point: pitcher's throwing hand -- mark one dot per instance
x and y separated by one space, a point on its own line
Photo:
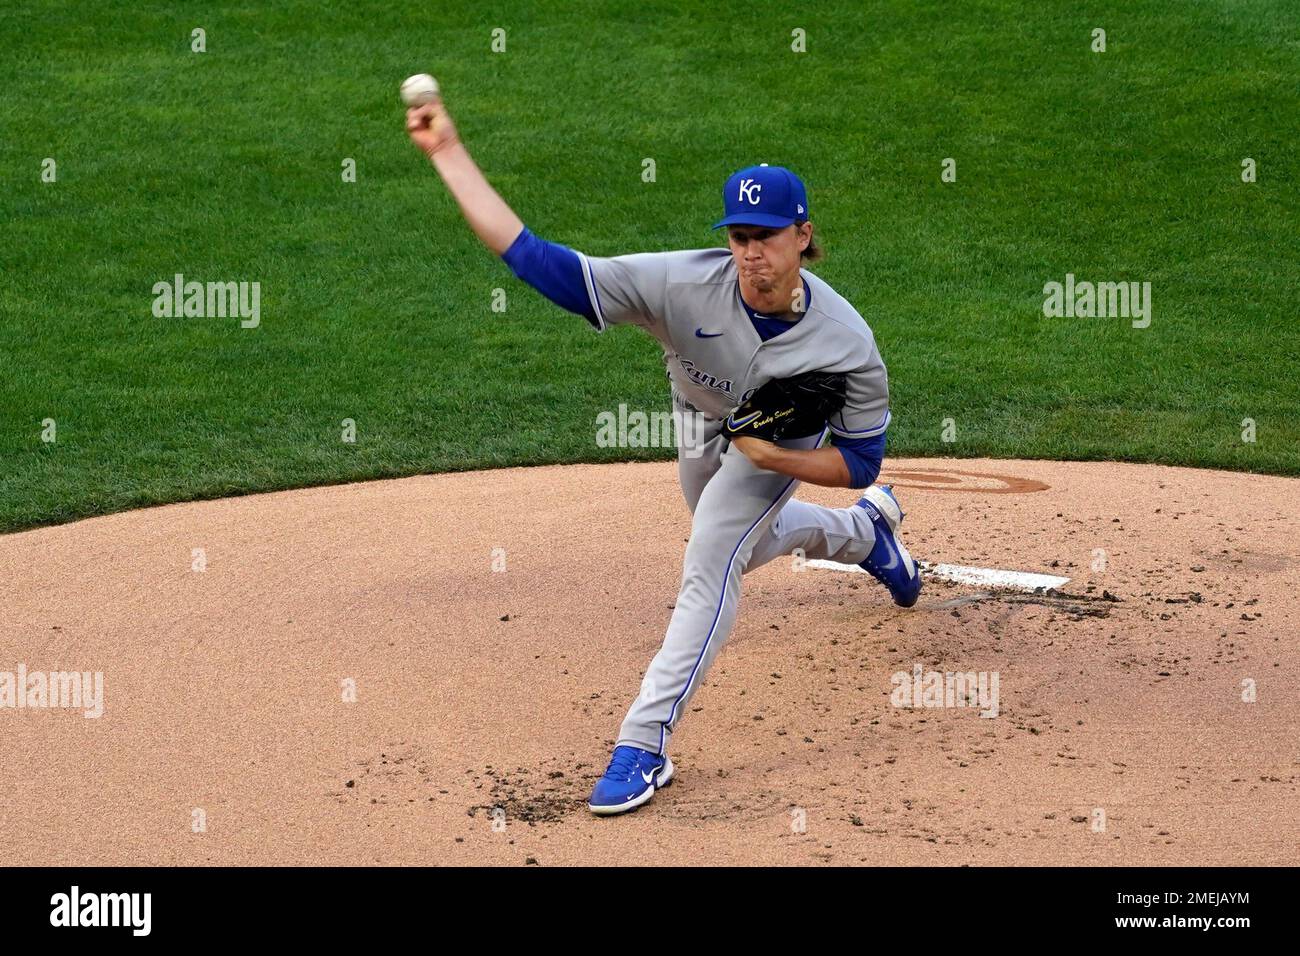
430 127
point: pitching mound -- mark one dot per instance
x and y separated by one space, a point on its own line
431 671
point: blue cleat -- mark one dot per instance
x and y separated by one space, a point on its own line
632 778
889 563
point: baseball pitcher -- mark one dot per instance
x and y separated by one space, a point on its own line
767 360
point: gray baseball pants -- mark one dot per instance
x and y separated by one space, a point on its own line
742 517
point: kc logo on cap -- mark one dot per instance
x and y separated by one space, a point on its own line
763 195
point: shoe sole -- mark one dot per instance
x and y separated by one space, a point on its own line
664 778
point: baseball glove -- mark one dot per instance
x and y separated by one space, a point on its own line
788 407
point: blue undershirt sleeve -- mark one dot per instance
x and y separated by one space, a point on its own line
553 270
863 456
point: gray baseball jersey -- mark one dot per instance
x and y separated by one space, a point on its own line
690 301
742 516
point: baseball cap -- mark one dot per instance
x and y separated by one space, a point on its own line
763 195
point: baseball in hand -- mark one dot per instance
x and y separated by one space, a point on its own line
419 89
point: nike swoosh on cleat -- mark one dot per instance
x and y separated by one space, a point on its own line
893 555
647 777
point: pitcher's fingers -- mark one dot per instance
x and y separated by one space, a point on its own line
415 120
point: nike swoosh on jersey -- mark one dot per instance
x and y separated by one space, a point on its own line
701 334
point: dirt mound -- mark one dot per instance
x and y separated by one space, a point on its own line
431 670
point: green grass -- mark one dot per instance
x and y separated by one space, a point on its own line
376 297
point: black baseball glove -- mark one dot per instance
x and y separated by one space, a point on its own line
788 407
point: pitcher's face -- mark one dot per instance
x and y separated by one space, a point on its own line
767 258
